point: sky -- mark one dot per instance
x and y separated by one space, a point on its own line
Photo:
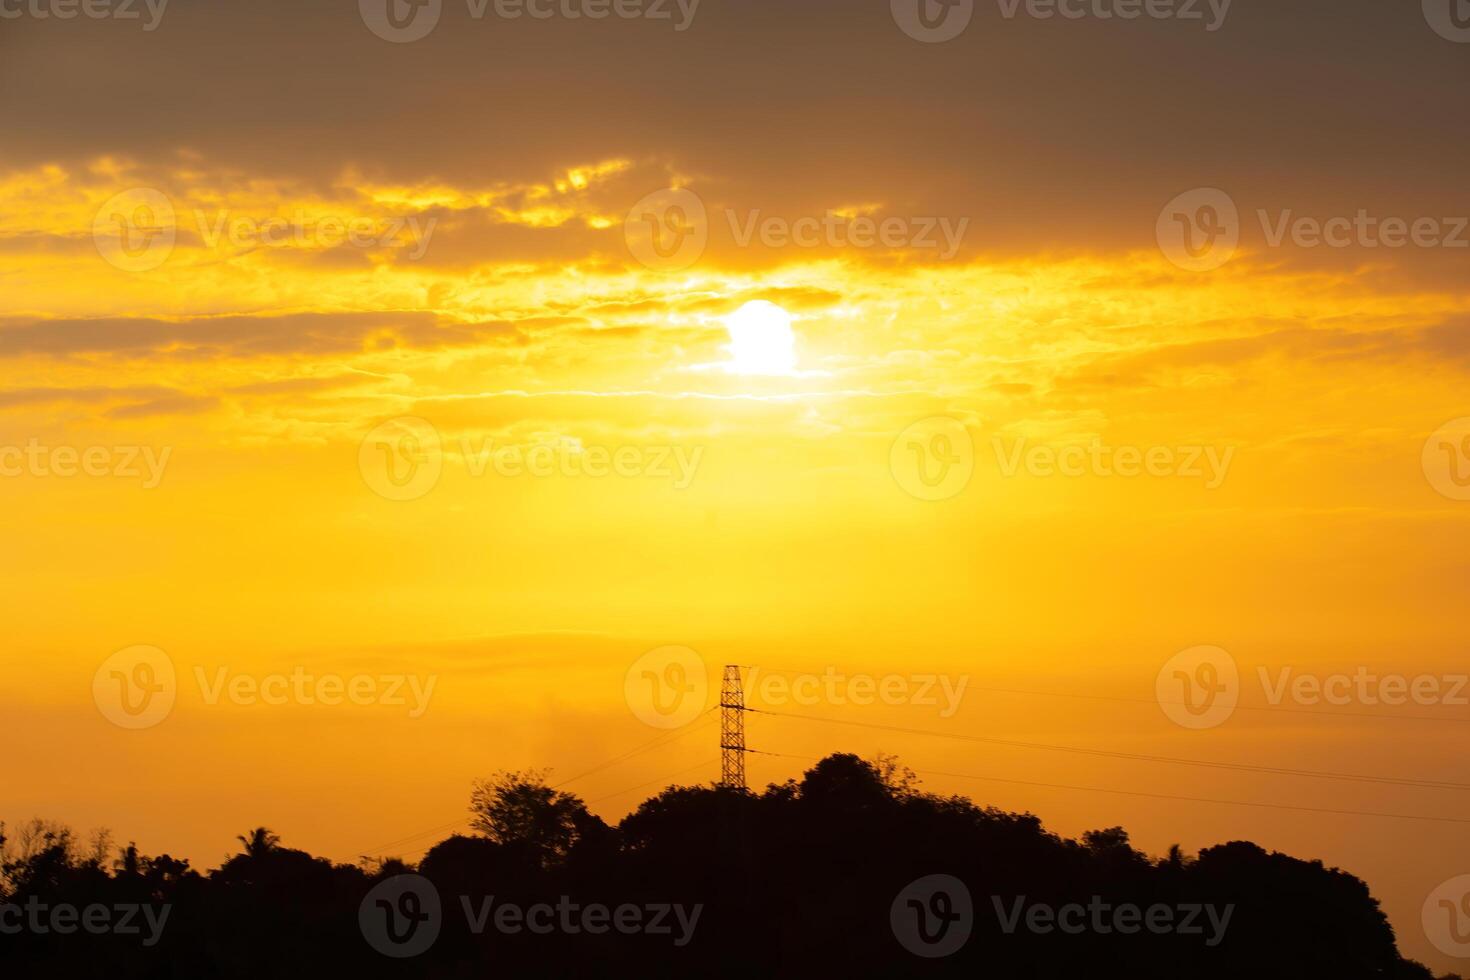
528 365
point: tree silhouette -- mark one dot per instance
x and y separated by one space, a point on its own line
800 880
259 842
518 809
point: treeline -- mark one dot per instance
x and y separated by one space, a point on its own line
850 871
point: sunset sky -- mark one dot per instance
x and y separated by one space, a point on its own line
498 173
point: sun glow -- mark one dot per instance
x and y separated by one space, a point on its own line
761 339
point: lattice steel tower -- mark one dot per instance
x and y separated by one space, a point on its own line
732 729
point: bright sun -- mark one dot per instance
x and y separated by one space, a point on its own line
761 339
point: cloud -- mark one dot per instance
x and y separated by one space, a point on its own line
249 336
1167 363
24 397
308 385
177 405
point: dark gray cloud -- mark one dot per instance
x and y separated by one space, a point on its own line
1047 132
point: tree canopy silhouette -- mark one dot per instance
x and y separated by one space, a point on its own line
806 878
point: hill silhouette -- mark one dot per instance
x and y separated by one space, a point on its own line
851 870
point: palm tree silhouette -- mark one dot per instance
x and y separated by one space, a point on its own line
258 842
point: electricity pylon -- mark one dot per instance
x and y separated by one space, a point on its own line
732 730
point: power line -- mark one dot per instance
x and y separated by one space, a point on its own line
663 781
658 741
1331 713
413 837
1269 708
708 763
1131 756
1161 796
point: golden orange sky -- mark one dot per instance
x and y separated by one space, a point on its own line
344 253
